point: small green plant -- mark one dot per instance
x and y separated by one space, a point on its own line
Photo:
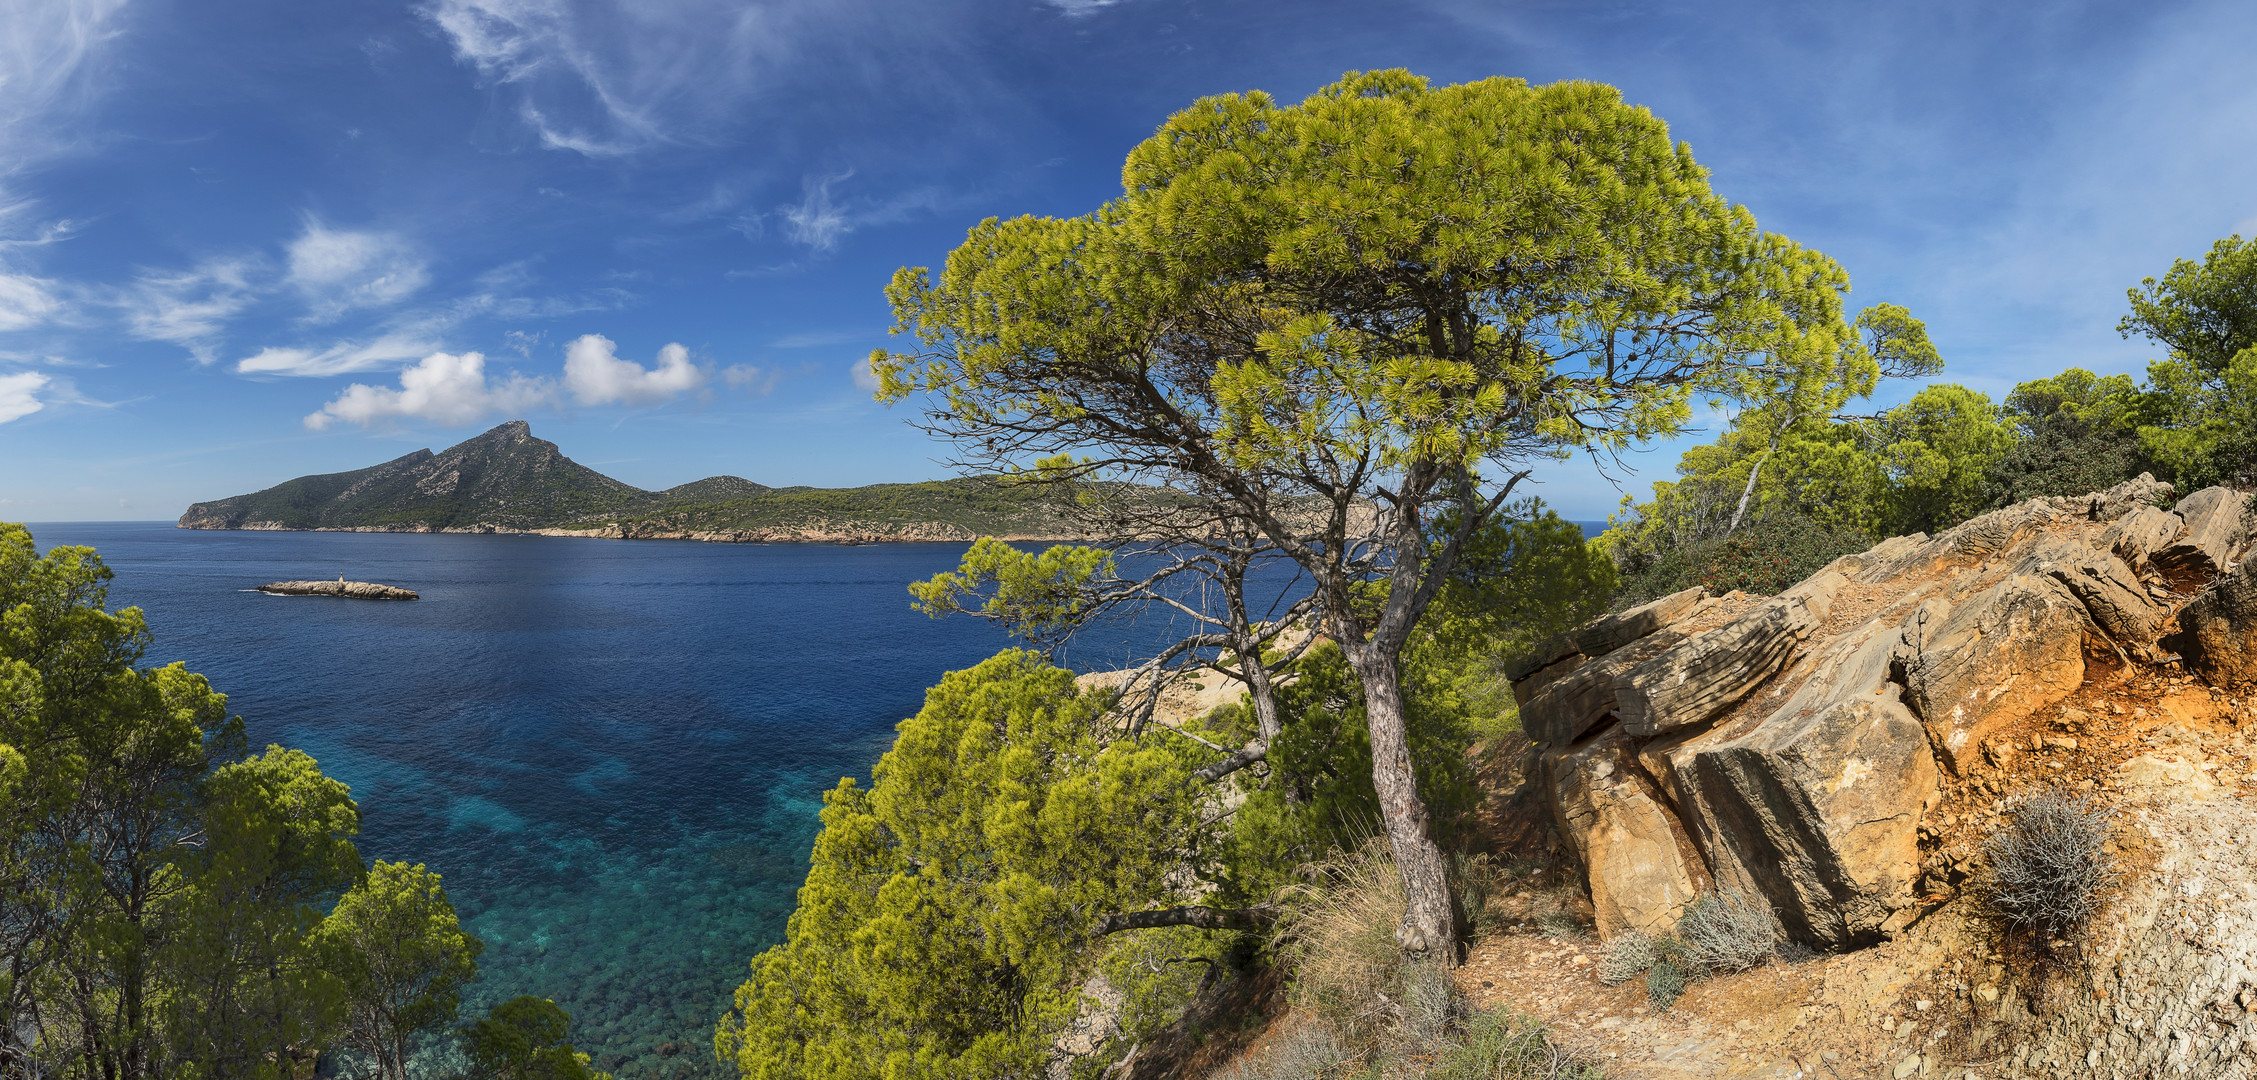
2050 863
1664 982
1478 883
1561 924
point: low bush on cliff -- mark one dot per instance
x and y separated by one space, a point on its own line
2050 864
174 904
946 927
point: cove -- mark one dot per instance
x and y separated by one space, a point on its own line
613 751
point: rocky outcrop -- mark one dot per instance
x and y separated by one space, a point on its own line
2213 519
1696 682
1817 805
2005 652
1579 700
1791 747
2137 536
356 590
2218 631
2102 581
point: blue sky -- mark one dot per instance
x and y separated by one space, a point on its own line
242 241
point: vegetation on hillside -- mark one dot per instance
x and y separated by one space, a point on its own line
506 478
1338 334
1391 296
1828 484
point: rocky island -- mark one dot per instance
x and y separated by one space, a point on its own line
509 481
356 590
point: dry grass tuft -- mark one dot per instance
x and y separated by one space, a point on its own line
1628 956
1727 931
1307 1051
1347 965
2050 863
1502 1046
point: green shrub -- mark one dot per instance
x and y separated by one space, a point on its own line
1763 557
1664 982
1627 958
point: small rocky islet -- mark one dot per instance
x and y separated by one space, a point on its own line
356 590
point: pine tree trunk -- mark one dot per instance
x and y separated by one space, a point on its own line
1429 926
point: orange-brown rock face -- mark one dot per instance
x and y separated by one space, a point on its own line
1790 747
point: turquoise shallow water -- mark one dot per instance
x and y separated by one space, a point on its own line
613 751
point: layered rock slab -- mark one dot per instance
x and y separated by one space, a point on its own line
1579 700
1700 679
2213 518
2118 602
1817 805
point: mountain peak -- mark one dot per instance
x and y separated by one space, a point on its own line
505 477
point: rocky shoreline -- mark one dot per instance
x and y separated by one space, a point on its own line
923 532
355 590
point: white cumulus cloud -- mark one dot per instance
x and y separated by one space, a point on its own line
339 270
446 389
19 395
596 375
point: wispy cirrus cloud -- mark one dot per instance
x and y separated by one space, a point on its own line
342 358
46 51
611 77
189 308
340 270
26 301
819 220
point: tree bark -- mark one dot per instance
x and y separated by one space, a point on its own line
1429 924
1744 493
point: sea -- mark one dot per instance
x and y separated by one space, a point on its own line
612 751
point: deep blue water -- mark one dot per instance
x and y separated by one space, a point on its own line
613 751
